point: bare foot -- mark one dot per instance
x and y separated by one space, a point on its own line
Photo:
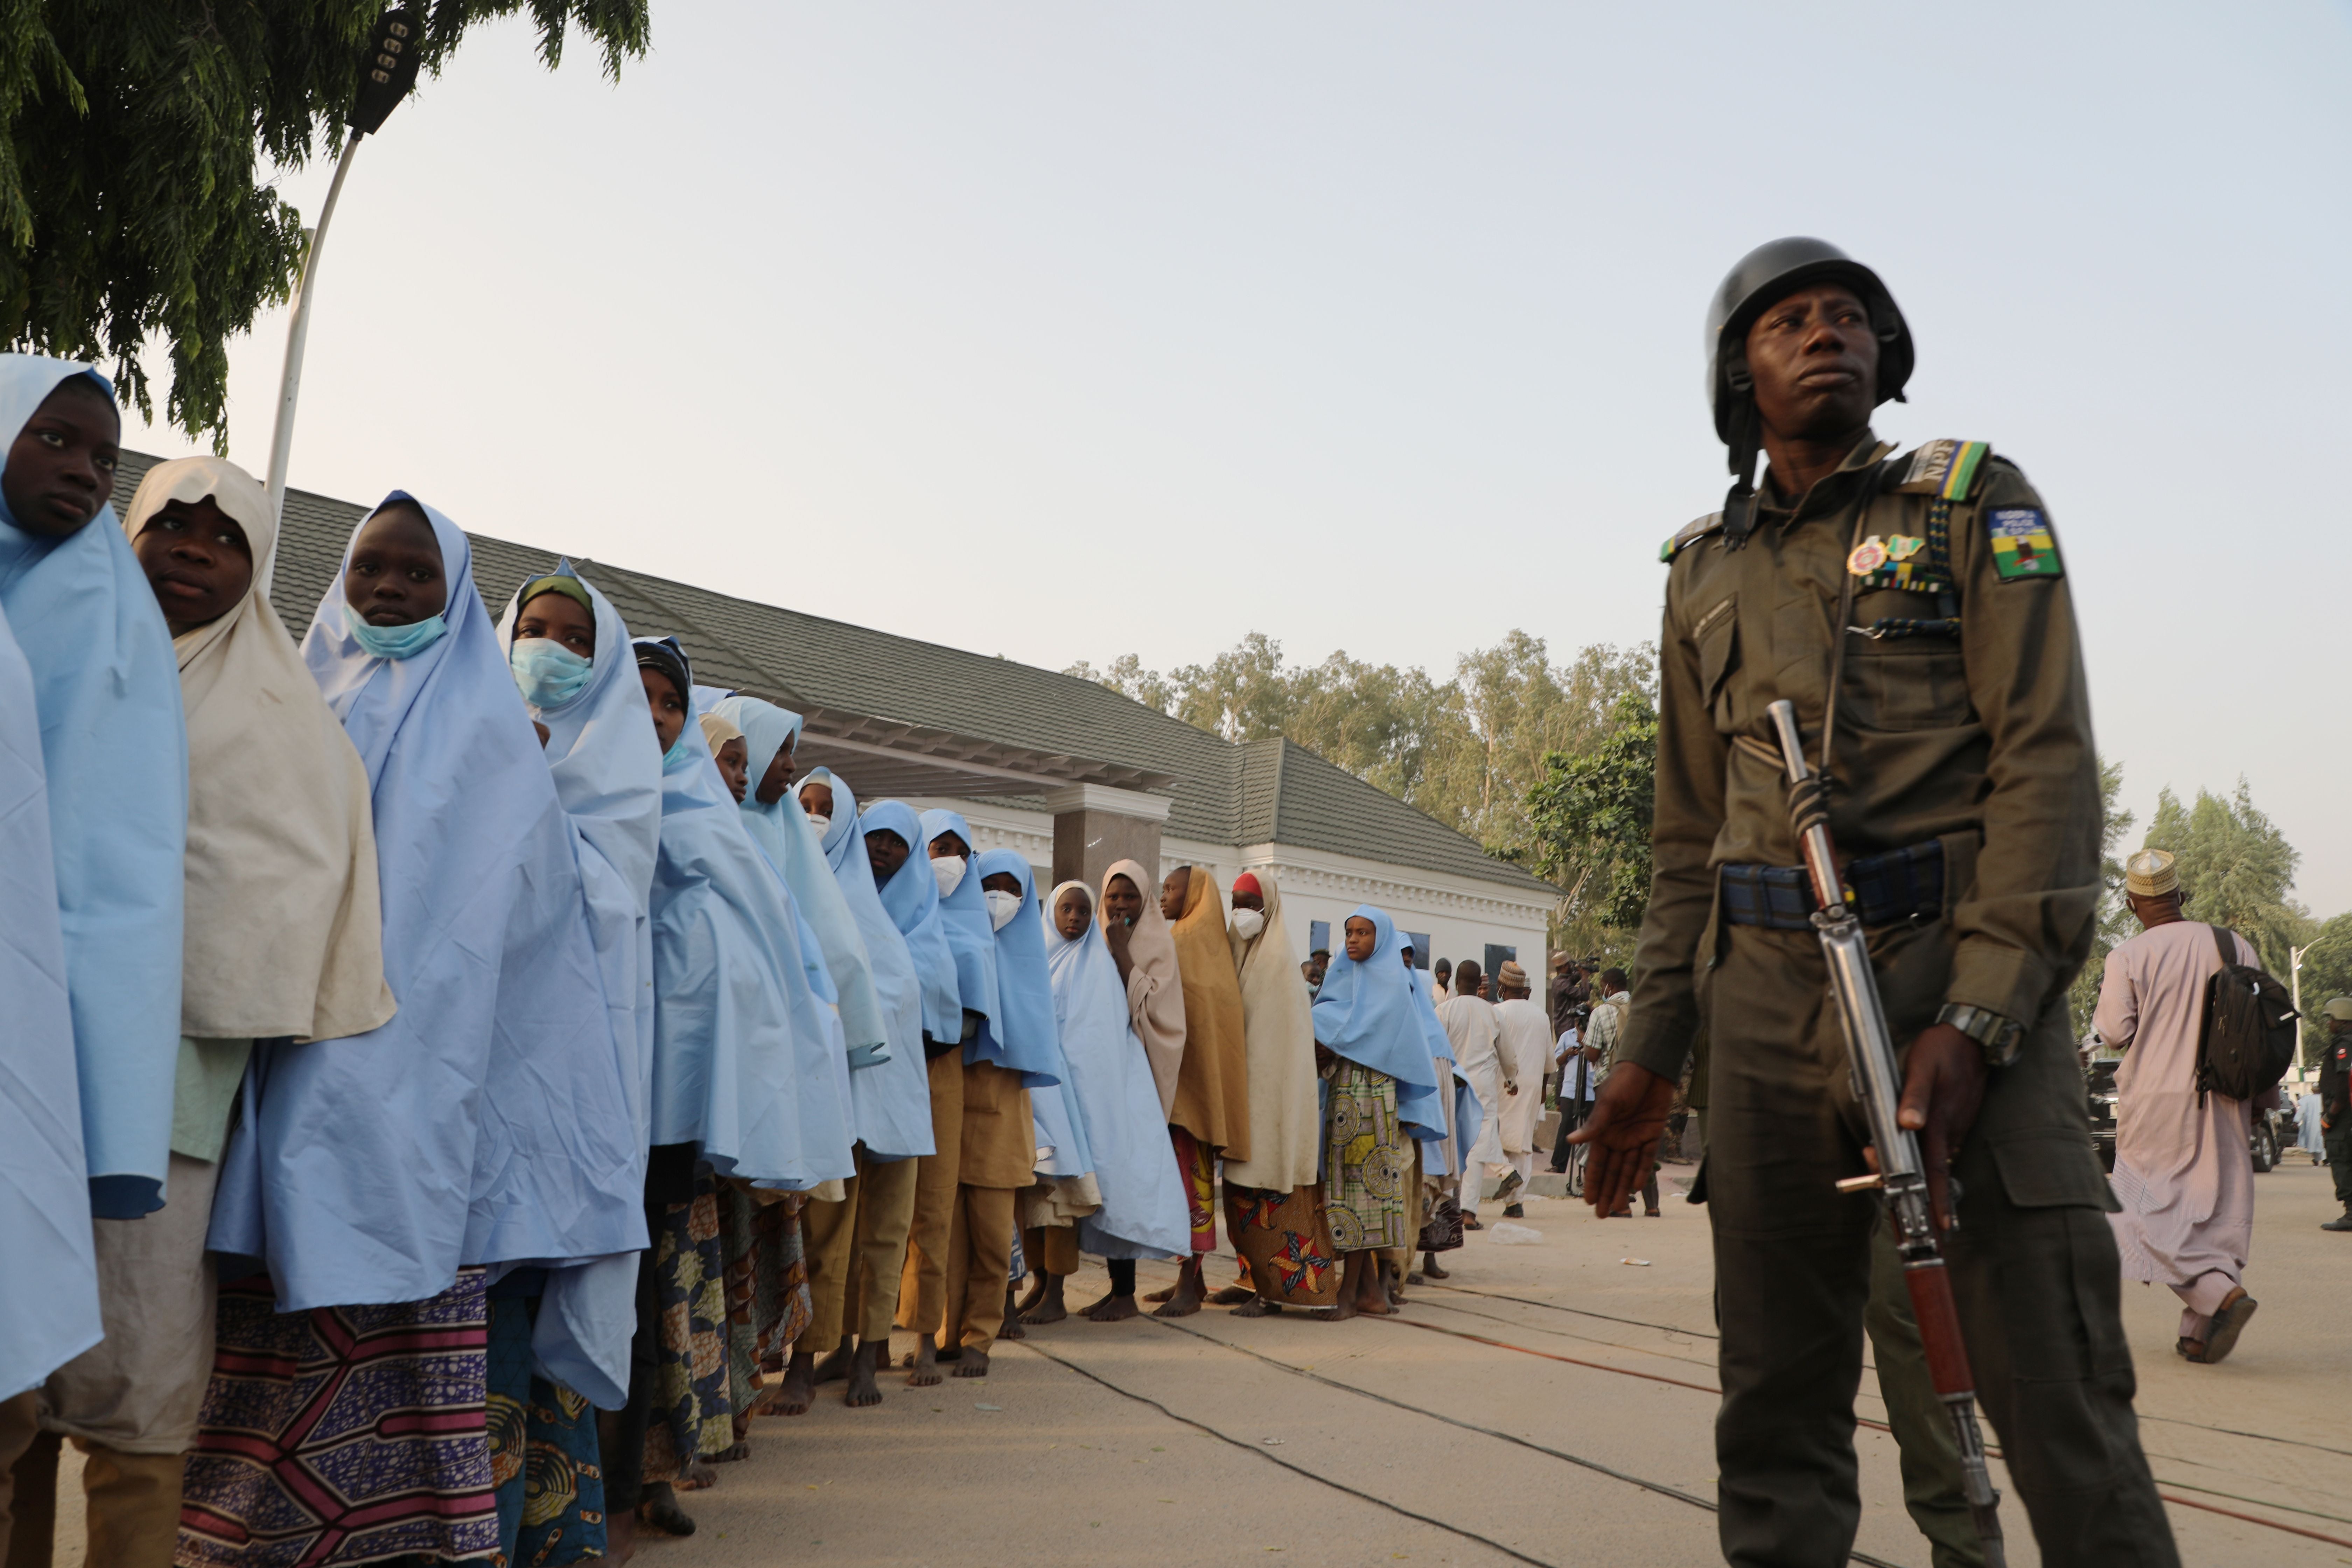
1044 1305
1254 1307
923 1366
1413 1278
835 1366
1340 1312
863 1364
694 1476
1430 1270
1232 1296
1037 1288
1164 1293
973 1363
620 1537
1112 1308
1392 1291
1184 1299
799 1387
660 1509
1011 1328
740 1449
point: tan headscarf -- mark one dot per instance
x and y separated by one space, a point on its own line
285 928
1155 993
718 731
1286 1117
1213 1094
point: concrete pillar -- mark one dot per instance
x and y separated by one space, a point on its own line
1094 824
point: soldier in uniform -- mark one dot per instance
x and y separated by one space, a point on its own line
2336 1103
1914 609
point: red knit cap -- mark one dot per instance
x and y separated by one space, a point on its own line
1247 883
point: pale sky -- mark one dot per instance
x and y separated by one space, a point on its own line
1063 330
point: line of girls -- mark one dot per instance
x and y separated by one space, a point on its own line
443 1071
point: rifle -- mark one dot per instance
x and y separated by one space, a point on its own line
1902 1181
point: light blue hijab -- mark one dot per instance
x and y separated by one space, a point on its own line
964 916
48 1291
911 896
783 830
735 1015
1144 1213
114 748
893 1101
608 773
366 1170
1030 1044
1370 1014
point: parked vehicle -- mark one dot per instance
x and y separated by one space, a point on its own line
2271 1132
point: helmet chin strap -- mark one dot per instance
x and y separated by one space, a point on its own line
1740 504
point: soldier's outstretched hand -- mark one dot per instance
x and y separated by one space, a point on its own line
1629 1116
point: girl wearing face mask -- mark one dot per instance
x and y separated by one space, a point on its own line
1063 1189
1273 1206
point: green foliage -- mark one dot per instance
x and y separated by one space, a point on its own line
2115 923
1466 750
2327 972
2235 866
1591 819
132 136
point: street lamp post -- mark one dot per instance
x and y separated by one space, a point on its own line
387 71
2295 985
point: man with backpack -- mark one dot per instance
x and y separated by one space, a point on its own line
2183 1171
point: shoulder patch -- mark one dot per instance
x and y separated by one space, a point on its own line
2022 544
1946 470
1690 536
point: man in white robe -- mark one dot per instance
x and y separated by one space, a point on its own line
1469 1022
1526 1050
2183 1174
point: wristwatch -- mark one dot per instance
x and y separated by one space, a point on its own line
2000 1037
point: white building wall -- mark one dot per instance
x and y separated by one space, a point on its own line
1461 914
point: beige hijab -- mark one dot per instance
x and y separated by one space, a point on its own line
1286 1121
718 731
285 928
1212 1093
1155 991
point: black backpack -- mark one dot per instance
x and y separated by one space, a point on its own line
2248 1040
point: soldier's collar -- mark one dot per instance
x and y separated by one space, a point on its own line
1829 488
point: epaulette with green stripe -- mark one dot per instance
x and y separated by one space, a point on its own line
1690 536
1945 469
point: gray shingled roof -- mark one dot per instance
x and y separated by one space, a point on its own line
855 679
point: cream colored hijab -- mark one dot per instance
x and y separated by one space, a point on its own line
1155 990
285 930
1286 1120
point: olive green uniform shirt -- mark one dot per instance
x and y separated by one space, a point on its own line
1982 740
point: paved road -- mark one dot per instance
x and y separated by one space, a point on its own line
1552 1407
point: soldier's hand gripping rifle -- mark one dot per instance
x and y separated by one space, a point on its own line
1902 1179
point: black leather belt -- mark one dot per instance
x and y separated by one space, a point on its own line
1899 885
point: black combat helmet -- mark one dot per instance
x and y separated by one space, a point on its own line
1766 274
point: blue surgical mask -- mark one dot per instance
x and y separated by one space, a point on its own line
550 674
396 642
675 755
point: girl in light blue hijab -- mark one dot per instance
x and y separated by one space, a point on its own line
489 1122
114 749
734 1013
910 895
48 1292
781 827
963 917
893 1101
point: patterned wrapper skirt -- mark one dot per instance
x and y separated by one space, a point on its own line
1196 1163
543 1459
1286 1238
767 1301
694 1407
345 1435
1367 1162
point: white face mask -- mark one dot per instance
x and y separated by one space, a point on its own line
948 869
1002 906
819 824
1247 923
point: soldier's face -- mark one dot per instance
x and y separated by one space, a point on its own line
1815 361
